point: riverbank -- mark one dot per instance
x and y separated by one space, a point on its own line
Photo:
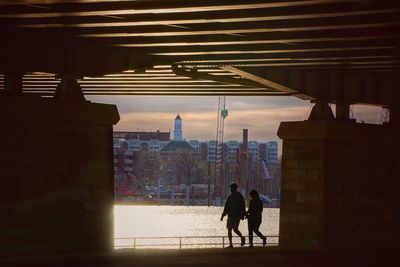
274 203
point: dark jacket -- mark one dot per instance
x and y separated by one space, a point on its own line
254 213
235 206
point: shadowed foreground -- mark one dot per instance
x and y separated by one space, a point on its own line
218 257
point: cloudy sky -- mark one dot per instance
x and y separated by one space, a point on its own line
261 115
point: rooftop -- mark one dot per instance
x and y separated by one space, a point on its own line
175 146
143 136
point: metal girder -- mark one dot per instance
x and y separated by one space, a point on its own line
331 86
266 82
82 60
193 73
338 51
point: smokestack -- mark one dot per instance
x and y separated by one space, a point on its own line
245 140
244 162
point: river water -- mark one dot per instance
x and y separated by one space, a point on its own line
158 226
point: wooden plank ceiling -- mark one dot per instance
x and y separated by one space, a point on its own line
192 47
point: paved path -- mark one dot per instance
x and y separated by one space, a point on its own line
244 257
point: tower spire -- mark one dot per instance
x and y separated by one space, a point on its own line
178 134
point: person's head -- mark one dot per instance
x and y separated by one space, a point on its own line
254 194
233 187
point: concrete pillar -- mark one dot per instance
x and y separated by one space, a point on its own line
342 111
340 184
394 114
56 170
69 89
321 111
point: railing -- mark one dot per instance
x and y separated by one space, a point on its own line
180 242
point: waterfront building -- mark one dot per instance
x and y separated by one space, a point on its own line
142 135
211 150
272 186
123 160
257 150
231 147
170 151
138 141
195 144
256 163
253 150
129 145
203 150
272 152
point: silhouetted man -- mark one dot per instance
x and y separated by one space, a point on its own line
235 209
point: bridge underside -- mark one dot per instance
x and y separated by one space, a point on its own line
335 171
339 51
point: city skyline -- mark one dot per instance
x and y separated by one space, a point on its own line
260 115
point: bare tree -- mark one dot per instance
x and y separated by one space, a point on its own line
186 166
148 167
189 169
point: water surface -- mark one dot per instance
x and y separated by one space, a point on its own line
179 221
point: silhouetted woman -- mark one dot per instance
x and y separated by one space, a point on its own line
254 217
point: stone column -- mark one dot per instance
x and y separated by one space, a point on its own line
56 170
340 184
342 111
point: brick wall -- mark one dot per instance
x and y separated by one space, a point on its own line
340 184
56 170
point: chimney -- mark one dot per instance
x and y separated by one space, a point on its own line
245 140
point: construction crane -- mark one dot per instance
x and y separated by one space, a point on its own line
219 166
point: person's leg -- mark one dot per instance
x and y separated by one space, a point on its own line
236 230
257 231
251 238
230 236
250 228
242 239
